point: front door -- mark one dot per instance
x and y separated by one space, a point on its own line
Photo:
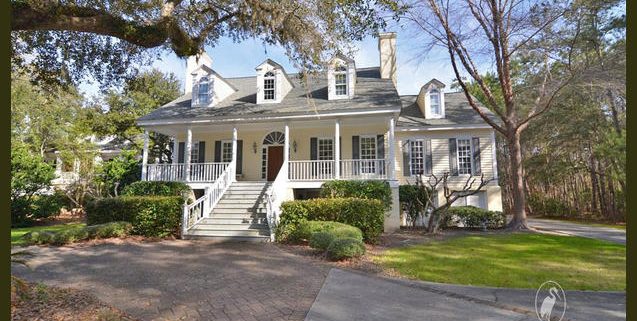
275 160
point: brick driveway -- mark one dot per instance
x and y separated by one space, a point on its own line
185 280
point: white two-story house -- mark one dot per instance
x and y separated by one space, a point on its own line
246 144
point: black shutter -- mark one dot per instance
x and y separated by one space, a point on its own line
217 151
356 154
477 170
453 157
202 152
313 148
406 159
239 156
355 147
428 157
182 153
380 152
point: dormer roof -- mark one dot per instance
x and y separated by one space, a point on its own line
276 65
211 71
342 57
435 82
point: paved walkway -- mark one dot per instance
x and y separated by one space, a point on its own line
590 231
355 296
185 280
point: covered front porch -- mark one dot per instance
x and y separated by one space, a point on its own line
303 153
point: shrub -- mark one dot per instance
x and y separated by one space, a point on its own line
107 230
146 188
345 248
368 189
149 215
322 240
69 236
305 229
366 214
50 205
474 217
38 237
413 201
550 207
113 229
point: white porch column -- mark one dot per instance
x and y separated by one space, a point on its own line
391 167
188 153
337 149
145 157
175 155
234 154
286 151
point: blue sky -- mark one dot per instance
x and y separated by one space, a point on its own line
239 59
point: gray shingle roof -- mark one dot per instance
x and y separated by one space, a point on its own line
371 93
457 112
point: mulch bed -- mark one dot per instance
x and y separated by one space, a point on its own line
35 301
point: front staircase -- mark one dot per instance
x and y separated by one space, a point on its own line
240 215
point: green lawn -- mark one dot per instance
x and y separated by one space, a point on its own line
519 260
16 233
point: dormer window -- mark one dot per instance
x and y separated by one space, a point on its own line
269 86
203 91
340 80
434 102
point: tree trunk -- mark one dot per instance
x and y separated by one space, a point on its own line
517 183
594 187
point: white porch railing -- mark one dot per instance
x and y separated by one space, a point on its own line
166 172
206 172
201 208
199 172
312 170
275 196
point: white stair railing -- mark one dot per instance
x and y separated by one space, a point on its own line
201 208
275 196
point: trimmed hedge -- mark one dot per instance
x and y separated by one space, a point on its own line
345 248
155 216
305 230
368 189
148 188
474 217
113 229
366 214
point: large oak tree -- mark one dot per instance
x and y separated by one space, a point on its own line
104 38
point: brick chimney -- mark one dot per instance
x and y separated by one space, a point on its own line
387 50
193 63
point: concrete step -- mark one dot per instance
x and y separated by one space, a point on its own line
235 220
244 183
229 227
238 216
236 196
242 201
217 238
247 188
243 211
241 233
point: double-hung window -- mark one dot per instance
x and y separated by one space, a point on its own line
269 86
434 102
368 151
203 92
417 155
226 151
194 152
464 156
340 80
325 152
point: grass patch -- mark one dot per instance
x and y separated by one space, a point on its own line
518 260
17 233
